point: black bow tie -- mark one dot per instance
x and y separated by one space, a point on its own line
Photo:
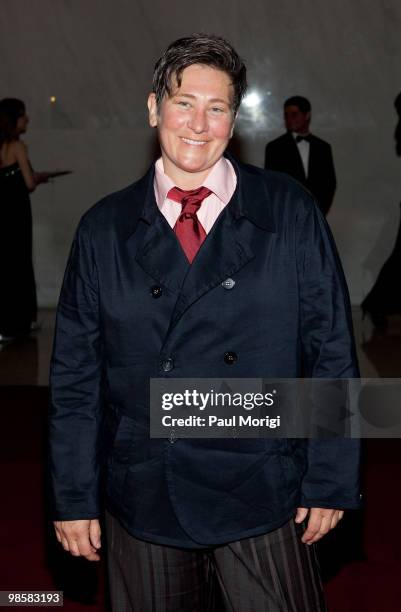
300 138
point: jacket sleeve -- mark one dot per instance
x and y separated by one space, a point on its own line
75 388
328 351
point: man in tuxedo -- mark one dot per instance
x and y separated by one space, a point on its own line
302 155
204 268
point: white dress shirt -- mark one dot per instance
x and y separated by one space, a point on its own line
303 148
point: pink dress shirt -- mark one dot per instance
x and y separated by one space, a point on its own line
221 180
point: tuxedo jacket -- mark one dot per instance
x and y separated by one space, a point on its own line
283 155
132 308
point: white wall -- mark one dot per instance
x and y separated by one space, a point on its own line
96 57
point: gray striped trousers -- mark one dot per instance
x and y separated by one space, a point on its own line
274 572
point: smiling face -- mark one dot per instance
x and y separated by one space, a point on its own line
195 124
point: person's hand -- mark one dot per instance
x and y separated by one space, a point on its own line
81 538
41 177
321 521
46 177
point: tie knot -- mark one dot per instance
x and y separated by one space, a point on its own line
189 199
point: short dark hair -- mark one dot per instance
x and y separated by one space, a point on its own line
205 49
302 103
11 109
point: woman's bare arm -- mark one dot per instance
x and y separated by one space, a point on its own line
21 153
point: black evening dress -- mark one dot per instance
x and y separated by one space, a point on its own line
385 296
18 307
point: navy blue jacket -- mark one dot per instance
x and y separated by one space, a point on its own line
130 303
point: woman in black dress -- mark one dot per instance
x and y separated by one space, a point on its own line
18 307
385 296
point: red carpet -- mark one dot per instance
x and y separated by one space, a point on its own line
30 557
361 561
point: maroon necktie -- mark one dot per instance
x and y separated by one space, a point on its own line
188 228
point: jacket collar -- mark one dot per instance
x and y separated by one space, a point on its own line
253 201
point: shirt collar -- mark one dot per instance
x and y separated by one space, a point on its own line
256 193
162 182
221 180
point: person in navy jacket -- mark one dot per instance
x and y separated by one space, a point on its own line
255 289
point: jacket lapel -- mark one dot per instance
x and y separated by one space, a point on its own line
313 159
161 256
222 254
152 241
228 246
296 160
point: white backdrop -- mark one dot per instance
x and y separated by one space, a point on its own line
97 56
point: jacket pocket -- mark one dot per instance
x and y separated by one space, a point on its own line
120 444
123 440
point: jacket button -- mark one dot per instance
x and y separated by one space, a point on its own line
230 357
156 291
228 283
167 364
